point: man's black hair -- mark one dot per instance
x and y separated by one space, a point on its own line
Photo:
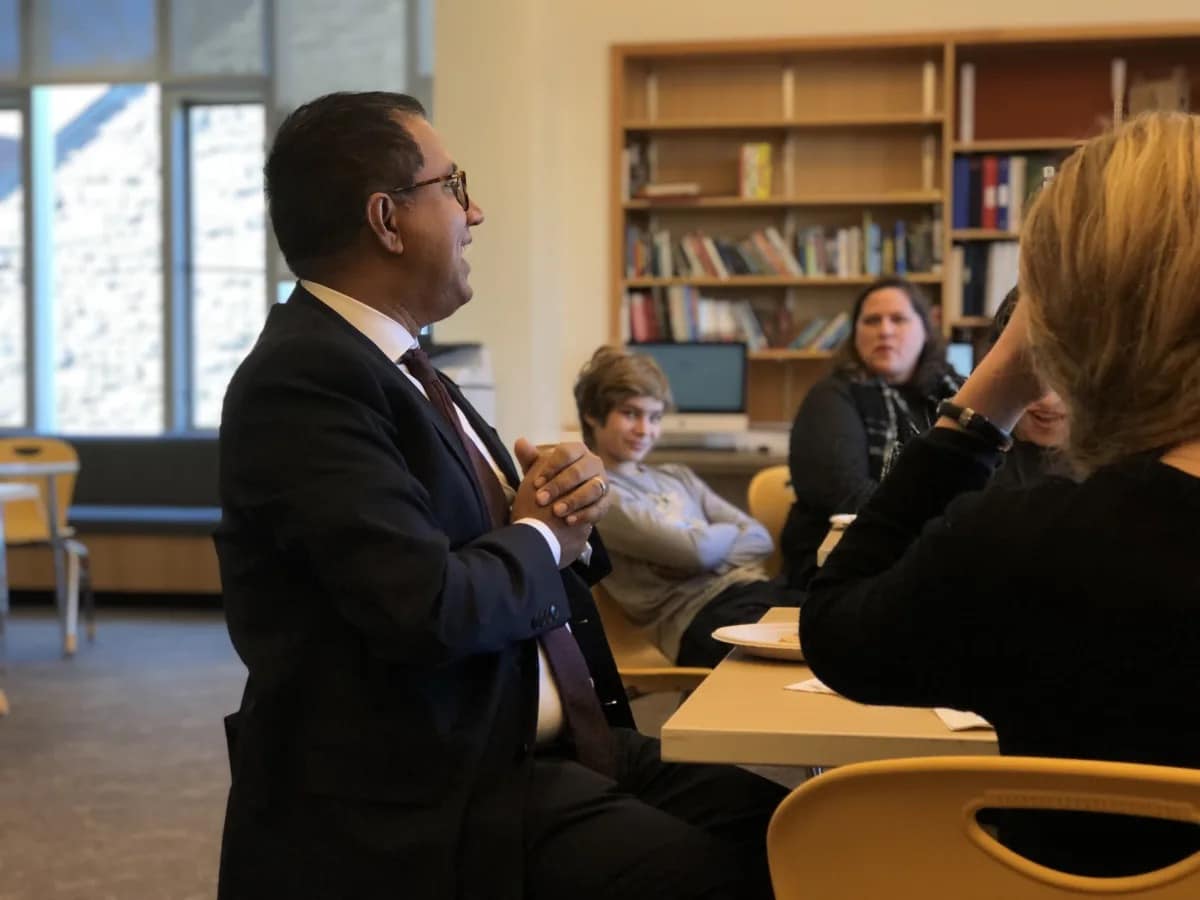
328 156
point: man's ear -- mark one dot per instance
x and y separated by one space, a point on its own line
383 222
593 421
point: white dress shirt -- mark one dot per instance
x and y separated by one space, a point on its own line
394 340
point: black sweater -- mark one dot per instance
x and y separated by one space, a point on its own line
830 460
1066 614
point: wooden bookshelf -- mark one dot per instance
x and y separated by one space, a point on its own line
861 129
774 281
983 234
895 198
880 120
1017 145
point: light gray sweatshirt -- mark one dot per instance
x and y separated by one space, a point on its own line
674 546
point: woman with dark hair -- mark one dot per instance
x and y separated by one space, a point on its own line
885 387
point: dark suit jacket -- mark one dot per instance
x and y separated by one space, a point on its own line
384 738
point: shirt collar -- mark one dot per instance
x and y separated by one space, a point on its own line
383 331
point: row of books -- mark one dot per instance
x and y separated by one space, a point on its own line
980 276
697 255
905 248
871 249
682 315
994 191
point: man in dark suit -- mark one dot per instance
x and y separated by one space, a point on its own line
417 721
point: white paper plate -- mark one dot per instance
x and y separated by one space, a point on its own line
774 640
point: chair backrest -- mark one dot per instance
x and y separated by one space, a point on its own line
642 666
26 521
769 498
906 828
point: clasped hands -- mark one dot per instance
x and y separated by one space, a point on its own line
565 488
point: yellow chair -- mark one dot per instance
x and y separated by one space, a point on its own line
28 523
769 499
906 828
642 666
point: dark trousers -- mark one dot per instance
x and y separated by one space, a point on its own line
659 831
737 605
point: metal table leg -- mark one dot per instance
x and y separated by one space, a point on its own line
60 569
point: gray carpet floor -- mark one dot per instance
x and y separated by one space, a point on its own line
113 771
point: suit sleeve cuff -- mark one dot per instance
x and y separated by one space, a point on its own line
544 530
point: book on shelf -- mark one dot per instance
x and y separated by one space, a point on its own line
669 190
1003 192
966 102
1000 275
831 336
681 314
952 293
929 87
979 277
990 177
821 333
635 169
993 191
754 171
1017 184
928 161
902 248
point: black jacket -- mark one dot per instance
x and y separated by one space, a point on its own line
387 629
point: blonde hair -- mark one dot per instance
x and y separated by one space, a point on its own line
1110 267
610 378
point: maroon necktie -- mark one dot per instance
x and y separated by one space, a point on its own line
590 733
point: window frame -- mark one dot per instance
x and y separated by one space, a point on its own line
179 339
18 101
177 93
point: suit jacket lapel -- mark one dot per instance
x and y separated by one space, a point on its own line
303 298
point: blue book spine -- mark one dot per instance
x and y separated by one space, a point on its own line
901 248
1003 194
962 192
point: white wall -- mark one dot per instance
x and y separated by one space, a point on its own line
521 94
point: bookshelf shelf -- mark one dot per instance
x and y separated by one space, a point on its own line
872 120
782 354
857 138
1018 145
892 198
774 281
982 234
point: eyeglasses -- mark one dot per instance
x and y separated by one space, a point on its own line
456 180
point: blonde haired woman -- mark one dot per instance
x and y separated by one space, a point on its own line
1068 614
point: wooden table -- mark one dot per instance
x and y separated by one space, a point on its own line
48 470
742 714
8 493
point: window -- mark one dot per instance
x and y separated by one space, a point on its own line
104 270
136 262
10 39
12 271
73 38
217 37
226 269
